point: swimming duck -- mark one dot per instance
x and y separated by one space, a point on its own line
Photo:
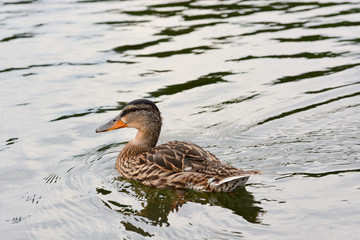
175 164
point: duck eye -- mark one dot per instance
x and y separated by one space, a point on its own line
133 109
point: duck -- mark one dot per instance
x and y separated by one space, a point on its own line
175 164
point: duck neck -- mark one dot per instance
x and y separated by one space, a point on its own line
145 139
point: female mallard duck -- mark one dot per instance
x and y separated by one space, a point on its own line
175 164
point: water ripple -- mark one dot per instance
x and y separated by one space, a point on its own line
313 74
181 30
17 36
90 111
285 114
269 85
46 65
318 175
307 38
220 106
337 24
331 88
307 55
210 78
124 48
191 50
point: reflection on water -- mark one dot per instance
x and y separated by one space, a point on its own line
284 114
317 175
268 85
314 74
210 78
156 204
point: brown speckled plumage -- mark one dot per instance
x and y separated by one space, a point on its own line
176 164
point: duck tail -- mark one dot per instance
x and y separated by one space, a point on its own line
233 183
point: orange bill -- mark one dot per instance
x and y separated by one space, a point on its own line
111 125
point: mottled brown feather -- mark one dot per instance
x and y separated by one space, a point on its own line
179 164
177 155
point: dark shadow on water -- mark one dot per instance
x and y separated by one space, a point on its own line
335 25
17 36
314 74
19 2
181 30
8 142
210 78
307 55
139 46
342 13
152 12
46 65
157 204
270 27
131 227
122 23
194 10
317 175
315 105
307 38
122 62
331 88
351 41
220 106
192 50
101 109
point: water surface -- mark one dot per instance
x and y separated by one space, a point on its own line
265 85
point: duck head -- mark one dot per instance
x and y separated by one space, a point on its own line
141 114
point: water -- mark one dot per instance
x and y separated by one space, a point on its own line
265 85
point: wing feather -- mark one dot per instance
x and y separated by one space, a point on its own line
180 156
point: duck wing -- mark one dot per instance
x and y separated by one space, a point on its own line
179 156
